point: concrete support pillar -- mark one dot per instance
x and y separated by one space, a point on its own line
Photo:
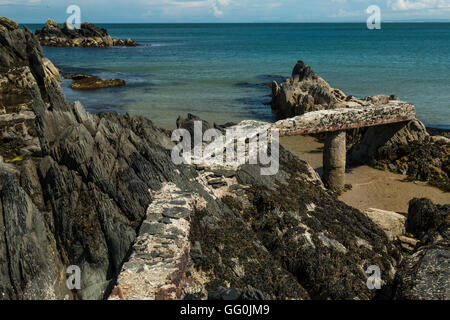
334 159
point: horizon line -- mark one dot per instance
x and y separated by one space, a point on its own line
261 22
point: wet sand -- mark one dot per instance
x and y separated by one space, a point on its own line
371 188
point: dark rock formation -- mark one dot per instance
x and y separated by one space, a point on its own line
101 168
81 199
22 64
22 61
408 149
88 82
88 35
425 275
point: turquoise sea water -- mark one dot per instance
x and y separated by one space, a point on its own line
213 70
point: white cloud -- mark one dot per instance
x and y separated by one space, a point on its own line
342 13
218 6
18 2
404 5
169 7
274 5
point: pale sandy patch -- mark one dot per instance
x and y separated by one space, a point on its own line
372 188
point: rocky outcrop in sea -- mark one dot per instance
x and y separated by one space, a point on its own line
88 35
103 194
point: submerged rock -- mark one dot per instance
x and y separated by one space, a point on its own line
392 223
88 82
88 35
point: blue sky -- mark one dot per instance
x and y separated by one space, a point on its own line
155 11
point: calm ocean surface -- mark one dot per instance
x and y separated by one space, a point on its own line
213 70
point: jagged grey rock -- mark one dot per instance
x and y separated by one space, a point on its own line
22 64
428 222
379 139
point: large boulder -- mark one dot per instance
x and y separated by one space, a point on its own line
427 221
305 91
379 141
392 223
425 275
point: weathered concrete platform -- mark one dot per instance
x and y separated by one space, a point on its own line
336 121
346 118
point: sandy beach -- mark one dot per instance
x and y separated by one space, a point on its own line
371 188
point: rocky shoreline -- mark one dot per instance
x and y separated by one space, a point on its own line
101 192
88 35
